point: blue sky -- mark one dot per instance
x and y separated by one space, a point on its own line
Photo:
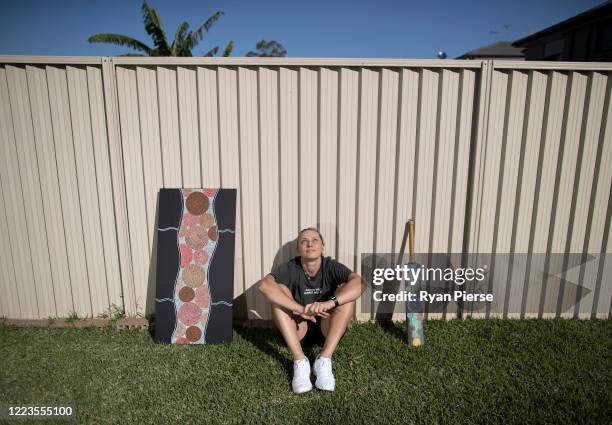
375 28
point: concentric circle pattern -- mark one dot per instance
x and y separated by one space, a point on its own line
197 240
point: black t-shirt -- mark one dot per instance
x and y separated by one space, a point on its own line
306 290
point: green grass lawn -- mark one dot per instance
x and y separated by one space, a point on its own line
472 371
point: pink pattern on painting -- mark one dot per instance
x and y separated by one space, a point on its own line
190 219
180 329
196 237
186 255
210 192
202 298
189 313
200 257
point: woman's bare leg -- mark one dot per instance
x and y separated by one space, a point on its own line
334 326
292 328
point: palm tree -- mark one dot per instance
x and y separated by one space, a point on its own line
184 39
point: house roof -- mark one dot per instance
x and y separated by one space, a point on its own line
499 49
597 11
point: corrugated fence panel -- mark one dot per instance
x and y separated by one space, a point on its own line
328 158
384 193
526 193
460 191
366 165
545 182
109 252
119 201
88 188
9 302
509 179
487 156
40 289
152 167
592 123
69 189
425 157
129 119
445 158
230 166
270 173
20 304
601 209
492 172
188 126
209 126
169 127
347 171
308 165
47 166
250 187
405 171
546 189
406 154
289 160
151 142
564 209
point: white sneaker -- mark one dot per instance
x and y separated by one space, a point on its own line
301 376
323 371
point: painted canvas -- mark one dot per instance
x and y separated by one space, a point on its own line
195 266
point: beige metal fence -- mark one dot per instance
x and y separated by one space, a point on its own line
489 156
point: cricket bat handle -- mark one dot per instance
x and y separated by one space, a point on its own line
411 238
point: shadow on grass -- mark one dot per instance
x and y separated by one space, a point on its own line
396 330
270 341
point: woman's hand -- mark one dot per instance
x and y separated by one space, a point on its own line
319 308
308 314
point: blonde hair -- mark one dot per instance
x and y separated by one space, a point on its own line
314 229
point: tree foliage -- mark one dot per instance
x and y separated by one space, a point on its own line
185 40
268 49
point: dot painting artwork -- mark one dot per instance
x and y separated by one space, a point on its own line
195 266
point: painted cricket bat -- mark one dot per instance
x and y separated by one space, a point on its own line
414 309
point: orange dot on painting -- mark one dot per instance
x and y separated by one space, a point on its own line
197 203
186 294
212 233
193 275
193 333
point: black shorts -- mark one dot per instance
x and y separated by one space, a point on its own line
314 335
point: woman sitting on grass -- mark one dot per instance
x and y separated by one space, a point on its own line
304 289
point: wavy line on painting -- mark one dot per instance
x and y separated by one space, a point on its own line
222 302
